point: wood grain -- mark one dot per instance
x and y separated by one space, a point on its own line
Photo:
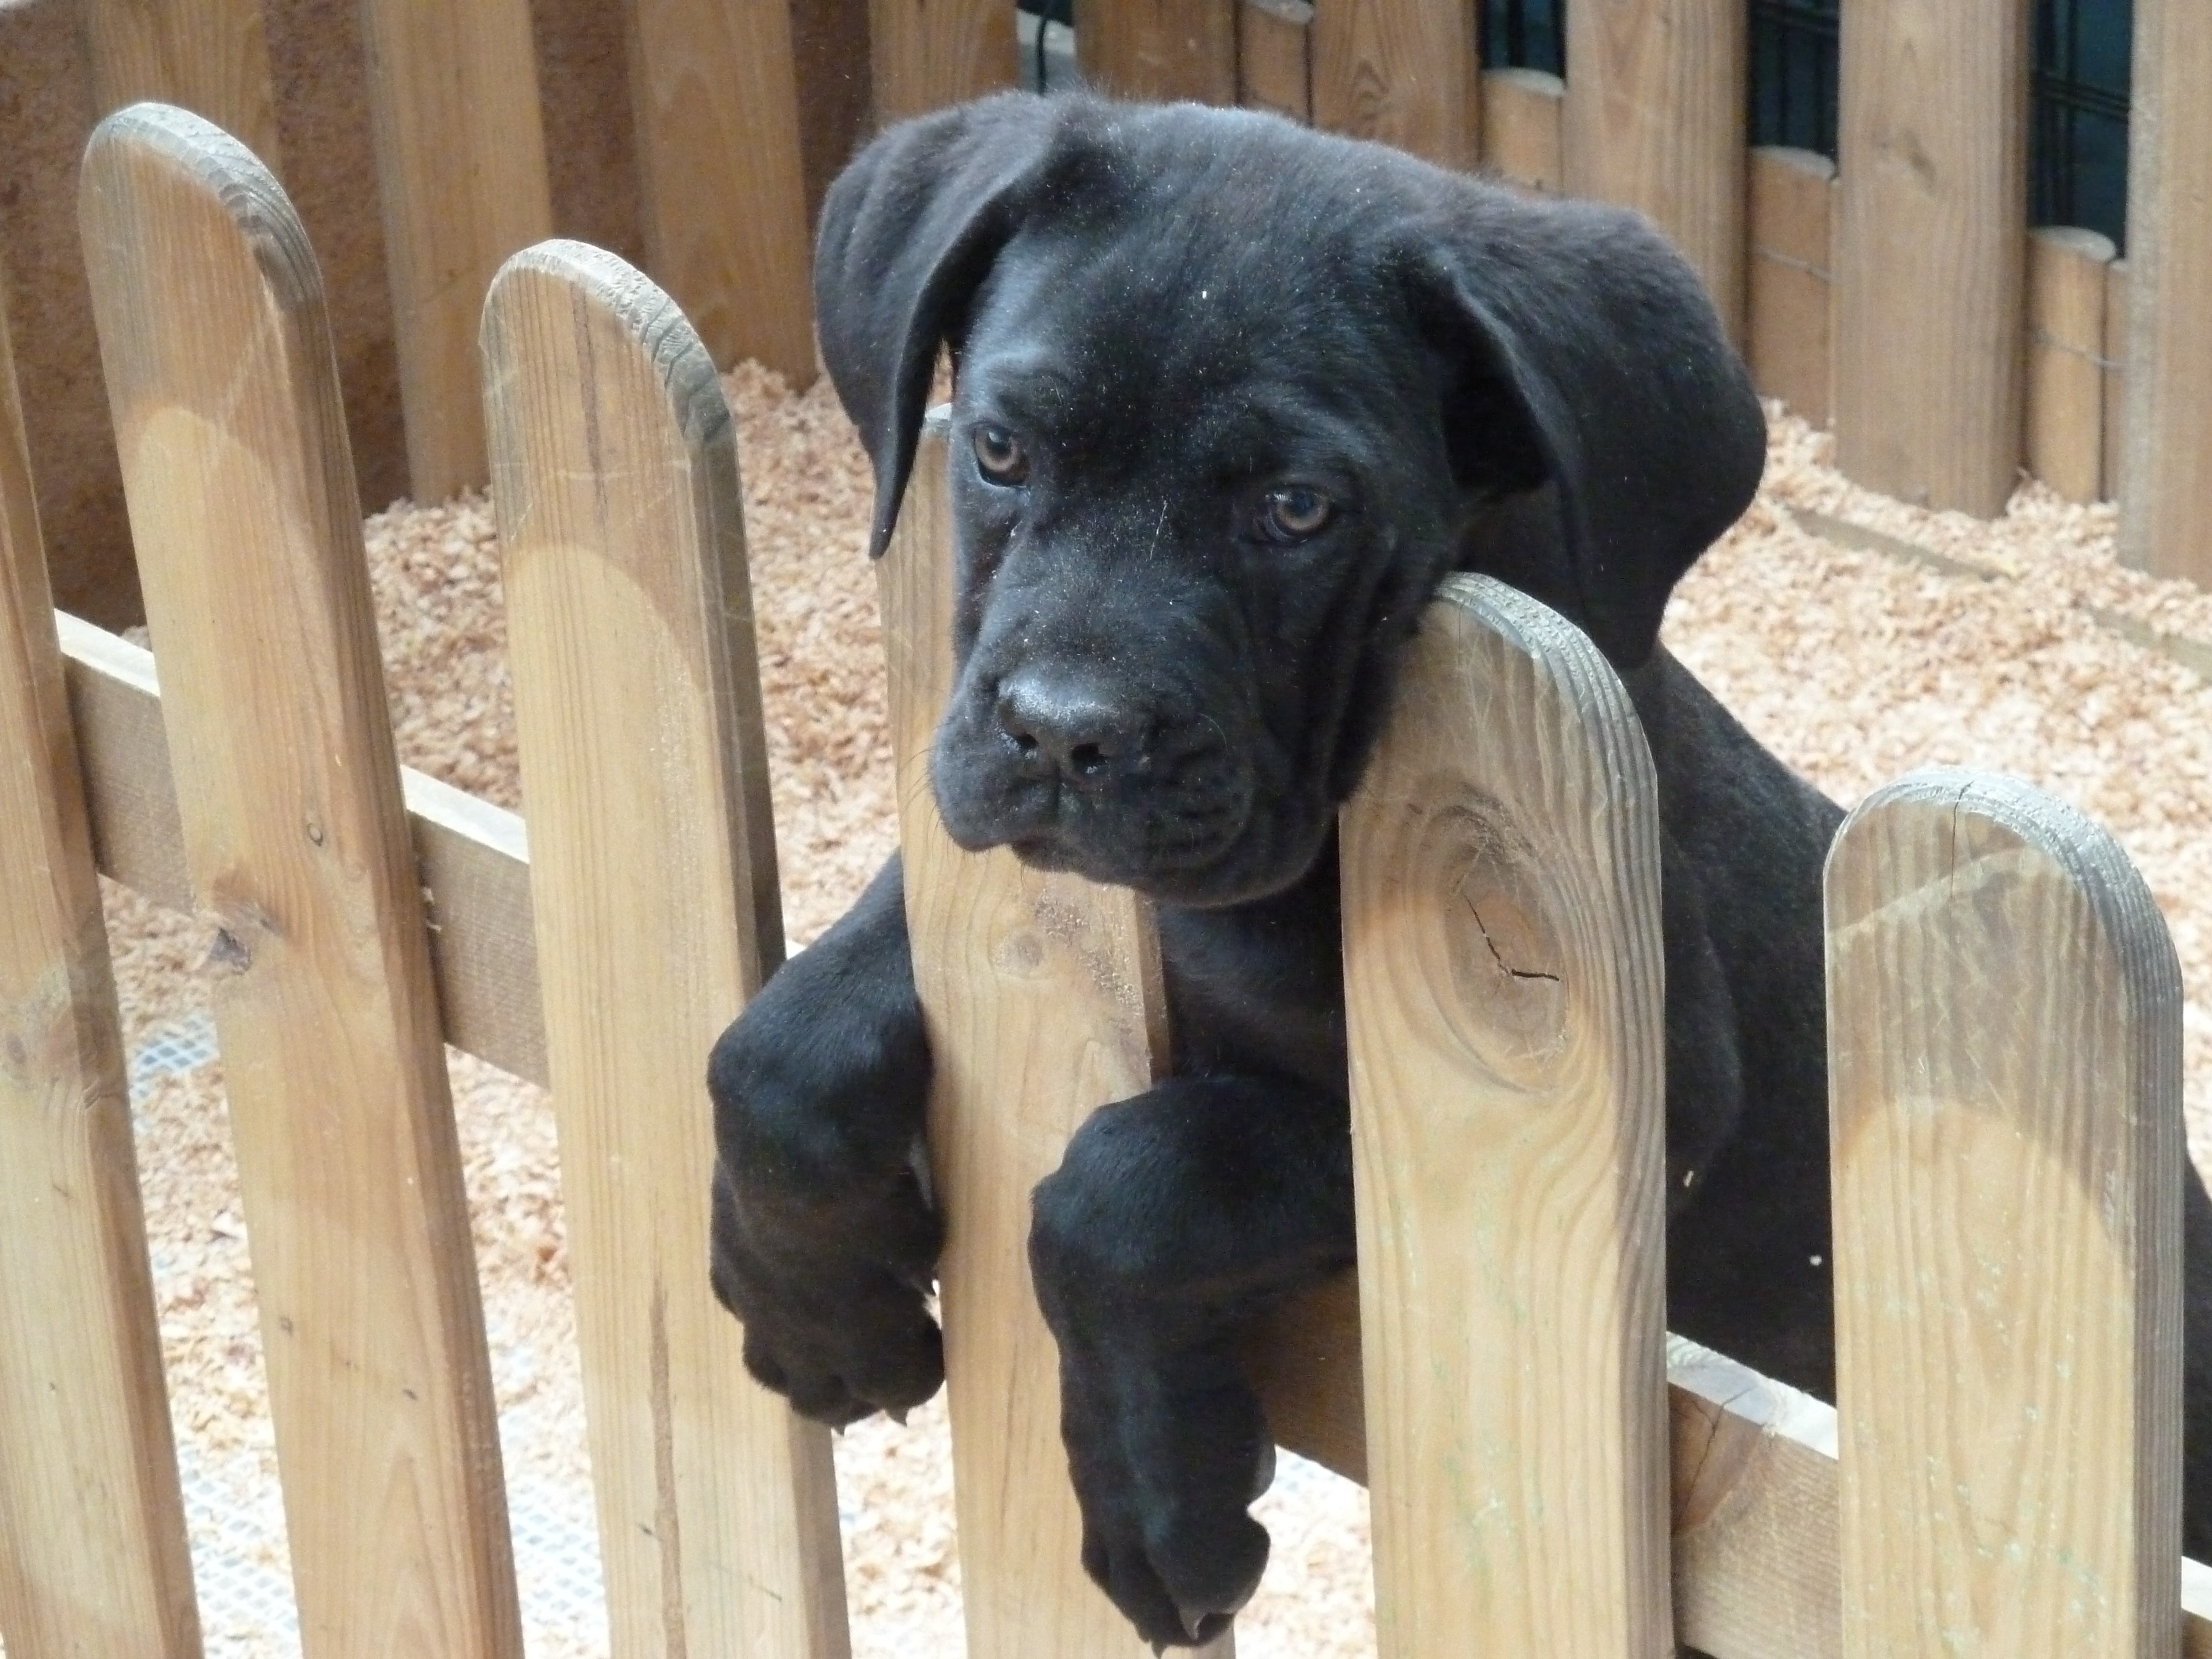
727 237
1756 1573
1523 128
461 165
1159 49
94 1564
1043 1000
2065 408
1403 71
1789 285
474 861
1504 1010
1275 61
217 348
2165 487
2117 324
210 57
472 857
637 707
2005 1020
1930 249
925 54
1655 120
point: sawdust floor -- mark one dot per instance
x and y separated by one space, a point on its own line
1931 639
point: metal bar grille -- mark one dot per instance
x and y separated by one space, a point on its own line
2078 140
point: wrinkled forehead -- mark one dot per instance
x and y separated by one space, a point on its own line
1127 331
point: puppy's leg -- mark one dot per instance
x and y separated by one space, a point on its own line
1175 1218
824 1236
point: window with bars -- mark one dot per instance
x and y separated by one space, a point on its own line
2078 125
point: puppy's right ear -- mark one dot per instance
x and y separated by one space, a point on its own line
908 233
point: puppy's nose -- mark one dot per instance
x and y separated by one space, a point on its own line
1071 729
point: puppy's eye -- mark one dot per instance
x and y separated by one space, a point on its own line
1295 514
1000 456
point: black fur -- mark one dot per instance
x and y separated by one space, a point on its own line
1175 311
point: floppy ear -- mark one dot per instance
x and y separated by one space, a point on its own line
1582 351
909 232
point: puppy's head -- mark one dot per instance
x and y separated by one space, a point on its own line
1230 398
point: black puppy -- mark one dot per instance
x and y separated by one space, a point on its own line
1232 398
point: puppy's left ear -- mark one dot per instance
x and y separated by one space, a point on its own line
1581 350
909 232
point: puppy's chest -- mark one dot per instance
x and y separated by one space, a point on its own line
1256 994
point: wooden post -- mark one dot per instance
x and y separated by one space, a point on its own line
461 164
1404 71
1789 288
94 1564
1043 1002
1930 249
727 237
2165 485
1523 128
2066 358
1160 49
2004 1043
209 57
1655 120
216 346
1275 58
2116 323
925 54
652 879
1504 1006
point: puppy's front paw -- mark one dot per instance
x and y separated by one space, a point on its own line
1166 1460
825 1240
833 1297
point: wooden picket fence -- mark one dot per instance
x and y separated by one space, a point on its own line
1550 1473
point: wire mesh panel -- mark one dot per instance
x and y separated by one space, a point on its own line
2078 170
2078 133
1793 74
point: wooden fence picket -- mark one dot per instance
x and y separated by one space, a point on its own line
2005 1020
2118 320
1789 279
461 175
1275 58
924 54
210 57
1655 120
93 1563
1931 249
2067 280
2165 487
1406 72
726 236
220 375
653 884
1043 1001
1504 1006
1524 128
1160 49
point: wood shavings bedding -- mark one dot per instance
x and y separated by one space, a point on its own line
1852 665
